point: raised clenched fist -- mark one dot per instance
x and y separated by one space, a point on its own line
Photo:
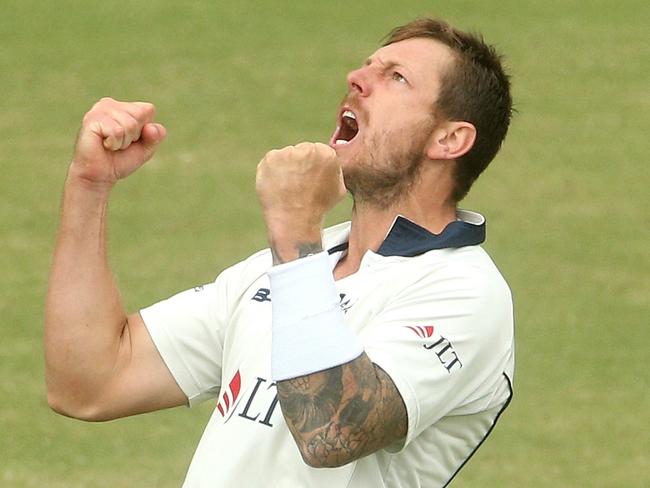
296 187
115 139
302 181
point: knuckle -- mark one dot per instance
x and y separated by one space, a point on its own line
100 106
135 111
305 149
264 161
104 102
149 108
143 109
88 118
324 148
131 125
285 153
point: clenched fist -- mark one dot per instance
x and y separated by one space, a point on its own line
296 187
115 139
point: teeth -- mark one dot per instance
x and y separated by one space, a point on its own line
349 114
341 141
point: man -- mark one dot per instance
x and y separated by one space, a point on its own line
387 343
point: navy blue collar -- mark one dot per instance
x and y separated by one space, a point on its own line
408 239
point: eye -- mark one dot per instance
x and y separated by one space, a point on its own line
399 77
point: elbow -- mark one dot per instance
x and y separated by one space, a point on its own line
312 461
70 405
320 462
58 405
321 457
309 459
72 396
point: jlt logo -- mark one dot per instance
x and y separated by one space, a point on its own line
260 403
442 348
229 397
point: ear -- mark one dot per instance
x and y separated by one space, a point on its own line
451 140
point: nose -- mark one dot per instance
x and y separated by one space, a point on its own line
359 81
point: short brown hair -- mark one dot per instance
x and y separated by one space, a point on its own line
476 90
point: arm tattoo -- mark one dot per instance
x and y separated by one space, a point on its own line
343 413
302 249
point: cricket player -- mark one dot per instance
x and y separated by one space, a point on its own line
376 353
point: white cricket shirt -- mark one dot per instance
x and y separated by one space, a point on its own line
431 310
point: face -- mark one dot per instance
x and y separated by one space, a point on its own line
386 119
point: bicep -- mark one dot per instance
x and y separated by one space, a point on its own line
142 382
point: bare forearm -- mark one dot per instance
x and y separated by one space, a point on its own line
84 317
343 413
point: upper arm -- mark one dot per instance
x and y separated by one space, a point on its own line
344 413
141 381
170 353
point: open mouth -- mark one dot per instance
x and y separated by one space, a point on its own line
347 128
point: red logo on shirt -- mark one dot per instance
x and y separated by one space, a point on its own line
423 331
228 401
442 347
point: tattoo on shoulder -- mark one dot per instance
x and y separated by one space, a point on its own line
343 413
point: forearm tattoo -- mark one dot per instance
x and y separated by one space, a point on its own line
301 250
343 413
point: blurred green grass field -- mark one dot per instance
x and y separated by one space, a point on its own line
567 202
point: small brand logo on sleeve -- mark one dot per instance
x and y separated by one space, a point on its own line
262 295
442 348
258 405
230 395
346 303
424 331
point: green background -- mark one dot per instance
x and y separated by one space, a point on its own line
567 203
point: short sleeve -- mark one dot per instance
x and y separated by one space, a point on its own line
188 331
446 342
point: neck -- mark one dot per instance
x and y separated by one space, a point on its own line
370 225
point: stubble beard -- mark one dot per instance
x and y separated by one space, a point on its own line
382 180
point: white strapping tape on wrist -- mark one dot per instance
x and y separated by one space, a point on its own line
308 328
